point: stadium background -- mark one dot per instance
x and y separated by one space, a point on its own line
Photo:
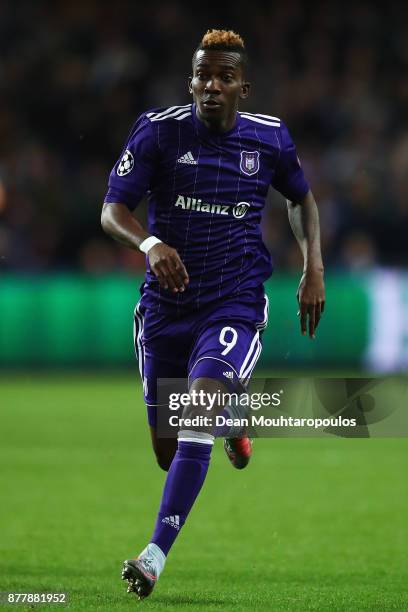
71 88
73 77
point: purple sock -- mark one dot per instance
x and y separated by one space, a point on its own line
184 481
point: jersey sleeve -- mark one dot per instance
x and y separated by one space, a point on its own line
131 176
289 179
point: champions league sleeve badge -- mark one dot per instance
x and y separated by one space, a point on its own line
126 164
249 162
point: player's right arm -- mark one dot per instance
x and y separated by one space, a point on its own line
128 182
164 261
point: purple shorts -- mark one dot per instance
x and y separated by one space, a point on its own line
223 343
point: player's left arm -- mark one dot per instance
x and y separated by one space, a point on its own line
304 221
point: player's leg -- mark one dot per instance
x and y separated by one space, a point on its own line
188 470
228 348
183 484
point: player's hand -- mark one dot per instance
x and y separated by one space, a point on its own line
166 264
311 299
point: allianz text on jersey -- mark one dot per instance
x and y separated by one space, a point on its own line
188 203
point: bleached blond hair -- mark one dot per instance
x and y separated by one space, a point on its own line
223 40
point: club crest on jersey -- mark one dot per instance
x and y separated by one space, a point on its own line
126 164
249 162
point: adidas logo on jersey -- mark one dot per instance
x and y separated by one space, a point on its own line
187 158
173 521
229 375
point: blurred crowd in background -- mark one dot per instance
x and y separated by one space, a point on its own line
75 75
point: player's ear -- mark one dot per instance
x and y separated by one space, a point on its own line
190 89
245 90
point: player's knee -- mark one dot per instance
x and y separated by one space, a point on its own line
206 394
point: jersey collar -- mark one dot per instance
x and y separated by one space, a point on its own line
204 131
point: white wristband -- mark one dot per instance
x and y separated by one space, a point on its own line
147 244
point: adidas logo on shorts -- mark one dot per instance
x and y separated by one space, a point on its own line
187 158
173 521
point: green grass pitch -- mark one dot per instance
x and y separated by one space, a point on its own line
312 524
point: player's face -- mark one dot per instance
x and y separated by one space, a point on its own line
217 86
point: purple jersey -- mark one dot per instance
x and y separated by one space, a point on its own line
206 194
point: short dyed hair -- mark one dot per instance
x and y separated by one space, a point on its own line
223 40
